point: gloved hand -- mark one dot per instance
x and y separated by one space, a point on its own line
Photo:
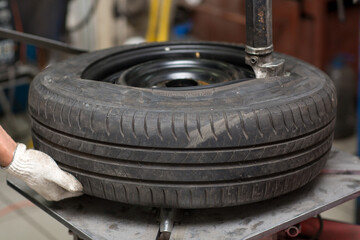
41 173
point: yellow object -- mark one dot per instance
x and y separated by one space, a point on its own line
159 25
152 22
164 21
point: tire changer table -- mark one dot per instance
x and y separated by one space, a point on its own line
91 218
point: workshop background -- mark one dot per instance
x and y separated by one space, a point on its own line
324 33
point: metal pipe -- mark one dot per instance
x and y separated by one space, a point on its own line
39 41
259 40
167 216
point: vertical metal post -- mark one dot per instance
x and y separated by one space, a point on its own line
167 216
259 27
259 42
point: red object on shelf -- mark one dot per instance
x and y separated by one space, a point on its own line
331 230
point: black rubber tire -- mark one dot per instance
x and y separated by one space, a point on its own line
214 147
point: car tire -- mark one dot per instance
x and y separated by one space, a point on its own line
218 145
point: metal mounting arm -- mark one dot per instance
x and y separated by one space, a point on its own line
259 43
259 27
39 41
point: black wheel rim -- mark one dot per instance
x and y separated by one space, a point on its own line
173 67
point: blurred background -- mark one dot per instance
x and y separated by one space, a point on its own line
324 33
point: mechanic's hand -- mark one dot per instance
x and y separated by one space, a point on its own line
41 173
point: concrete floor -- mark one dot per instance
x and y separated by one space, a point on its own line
19 219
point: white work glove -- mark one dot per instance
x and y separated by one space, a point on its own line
41 173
